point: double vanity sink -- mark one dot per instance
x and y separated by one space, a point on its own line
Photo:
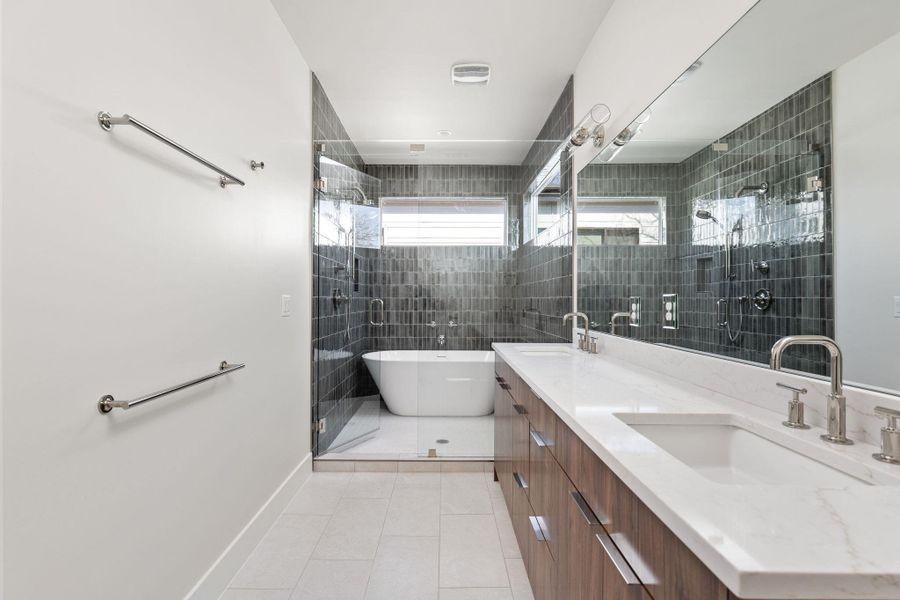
772 512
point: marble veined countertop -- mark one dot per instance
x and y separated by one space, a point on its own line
761 540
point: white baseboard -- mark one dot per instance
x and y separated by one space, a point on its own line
215 580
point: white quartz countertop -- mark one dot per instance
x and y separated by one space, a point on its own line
761 541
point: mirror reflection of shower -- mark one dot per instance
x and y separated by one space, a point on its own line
723 304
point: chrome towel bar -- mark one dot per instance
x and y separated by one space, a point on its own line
107 402
107 121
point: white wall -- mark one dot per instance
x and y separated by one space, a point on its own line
865 95
126 268
639 50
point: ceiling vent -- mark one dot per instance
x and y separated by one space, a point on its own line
470 74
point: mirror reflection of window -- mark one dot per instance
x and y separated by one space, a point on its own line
543 207
622 221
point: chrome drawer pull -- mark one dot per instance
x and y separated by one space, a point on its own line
538 532
520 409
520 481
617 559
583 507
505 386
538 439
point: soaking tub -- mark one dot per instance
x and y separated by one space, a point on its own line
425 384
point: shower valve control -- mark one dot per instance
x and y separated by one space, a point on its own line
762 299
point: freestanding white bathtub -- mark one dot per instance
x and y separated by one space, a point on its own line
421 383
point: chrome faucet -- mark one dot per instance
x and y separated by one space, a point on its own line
612 320
837 402
583 341
442 345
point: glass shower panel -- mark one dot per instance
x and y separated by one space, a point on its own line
347 406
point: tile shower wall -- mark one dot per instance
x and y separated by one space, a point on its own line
789 228
485 289
472 285
543 291
609 275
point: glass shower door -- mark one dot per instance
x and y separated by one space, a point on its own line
346 410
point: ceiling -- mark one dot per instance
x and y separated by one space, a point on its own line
773 51
385 66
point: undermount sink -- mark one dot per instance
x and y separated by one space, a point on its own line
541 351
725 452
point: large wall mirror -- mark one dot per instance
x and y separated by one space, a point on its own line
756 198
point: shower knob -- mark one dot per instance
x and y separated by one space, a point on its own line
762 299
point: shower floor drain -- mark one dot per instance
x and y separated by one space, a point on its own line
442 441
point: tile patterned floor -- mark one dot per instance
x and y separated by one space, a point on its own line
396 536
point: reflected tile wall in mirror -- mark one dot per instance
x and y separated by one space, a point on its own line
788 227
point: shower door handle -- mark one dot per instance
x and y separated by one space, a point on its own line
372 304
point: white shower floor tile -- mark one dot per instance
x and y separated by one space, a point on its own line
375 432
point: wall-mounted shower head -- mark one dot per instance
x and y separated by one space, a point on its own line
756 190
707 216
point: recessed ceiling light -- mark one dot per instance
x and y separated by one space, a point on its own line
445 132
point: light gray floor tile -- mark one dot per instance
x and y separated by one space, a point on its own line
471 555
239 594
278 560
505 528
464 494
476 594
319 495
354 529
518 579
418 480
414 511
333 580
370 485
406 568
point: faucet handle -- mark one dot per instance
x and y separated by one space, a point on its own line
431 324
891 415
452 323
797 390
890 436
795 407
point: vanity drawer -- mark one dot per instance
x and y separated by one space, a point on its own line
666 567
590 564
503 408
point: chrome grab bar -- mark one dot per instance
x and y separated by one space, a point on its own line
107 402
372 312
722 315
107 121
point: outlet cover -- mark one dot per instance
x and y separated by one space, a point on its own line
897 307
285 305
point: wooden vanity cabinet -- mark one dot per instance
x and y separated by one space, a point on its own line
583 534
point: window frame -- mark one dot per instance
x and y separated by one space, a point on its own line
385 202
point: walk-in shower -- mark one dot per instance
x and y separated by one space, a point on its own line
723 304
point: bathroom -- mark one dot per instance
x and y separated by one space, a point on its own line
592 299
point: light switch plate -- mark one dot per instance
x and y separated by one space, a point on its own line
285 305
897 307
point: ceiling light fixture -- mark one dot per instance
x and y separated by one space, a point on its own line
591 127
625 136
445 132
470 74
